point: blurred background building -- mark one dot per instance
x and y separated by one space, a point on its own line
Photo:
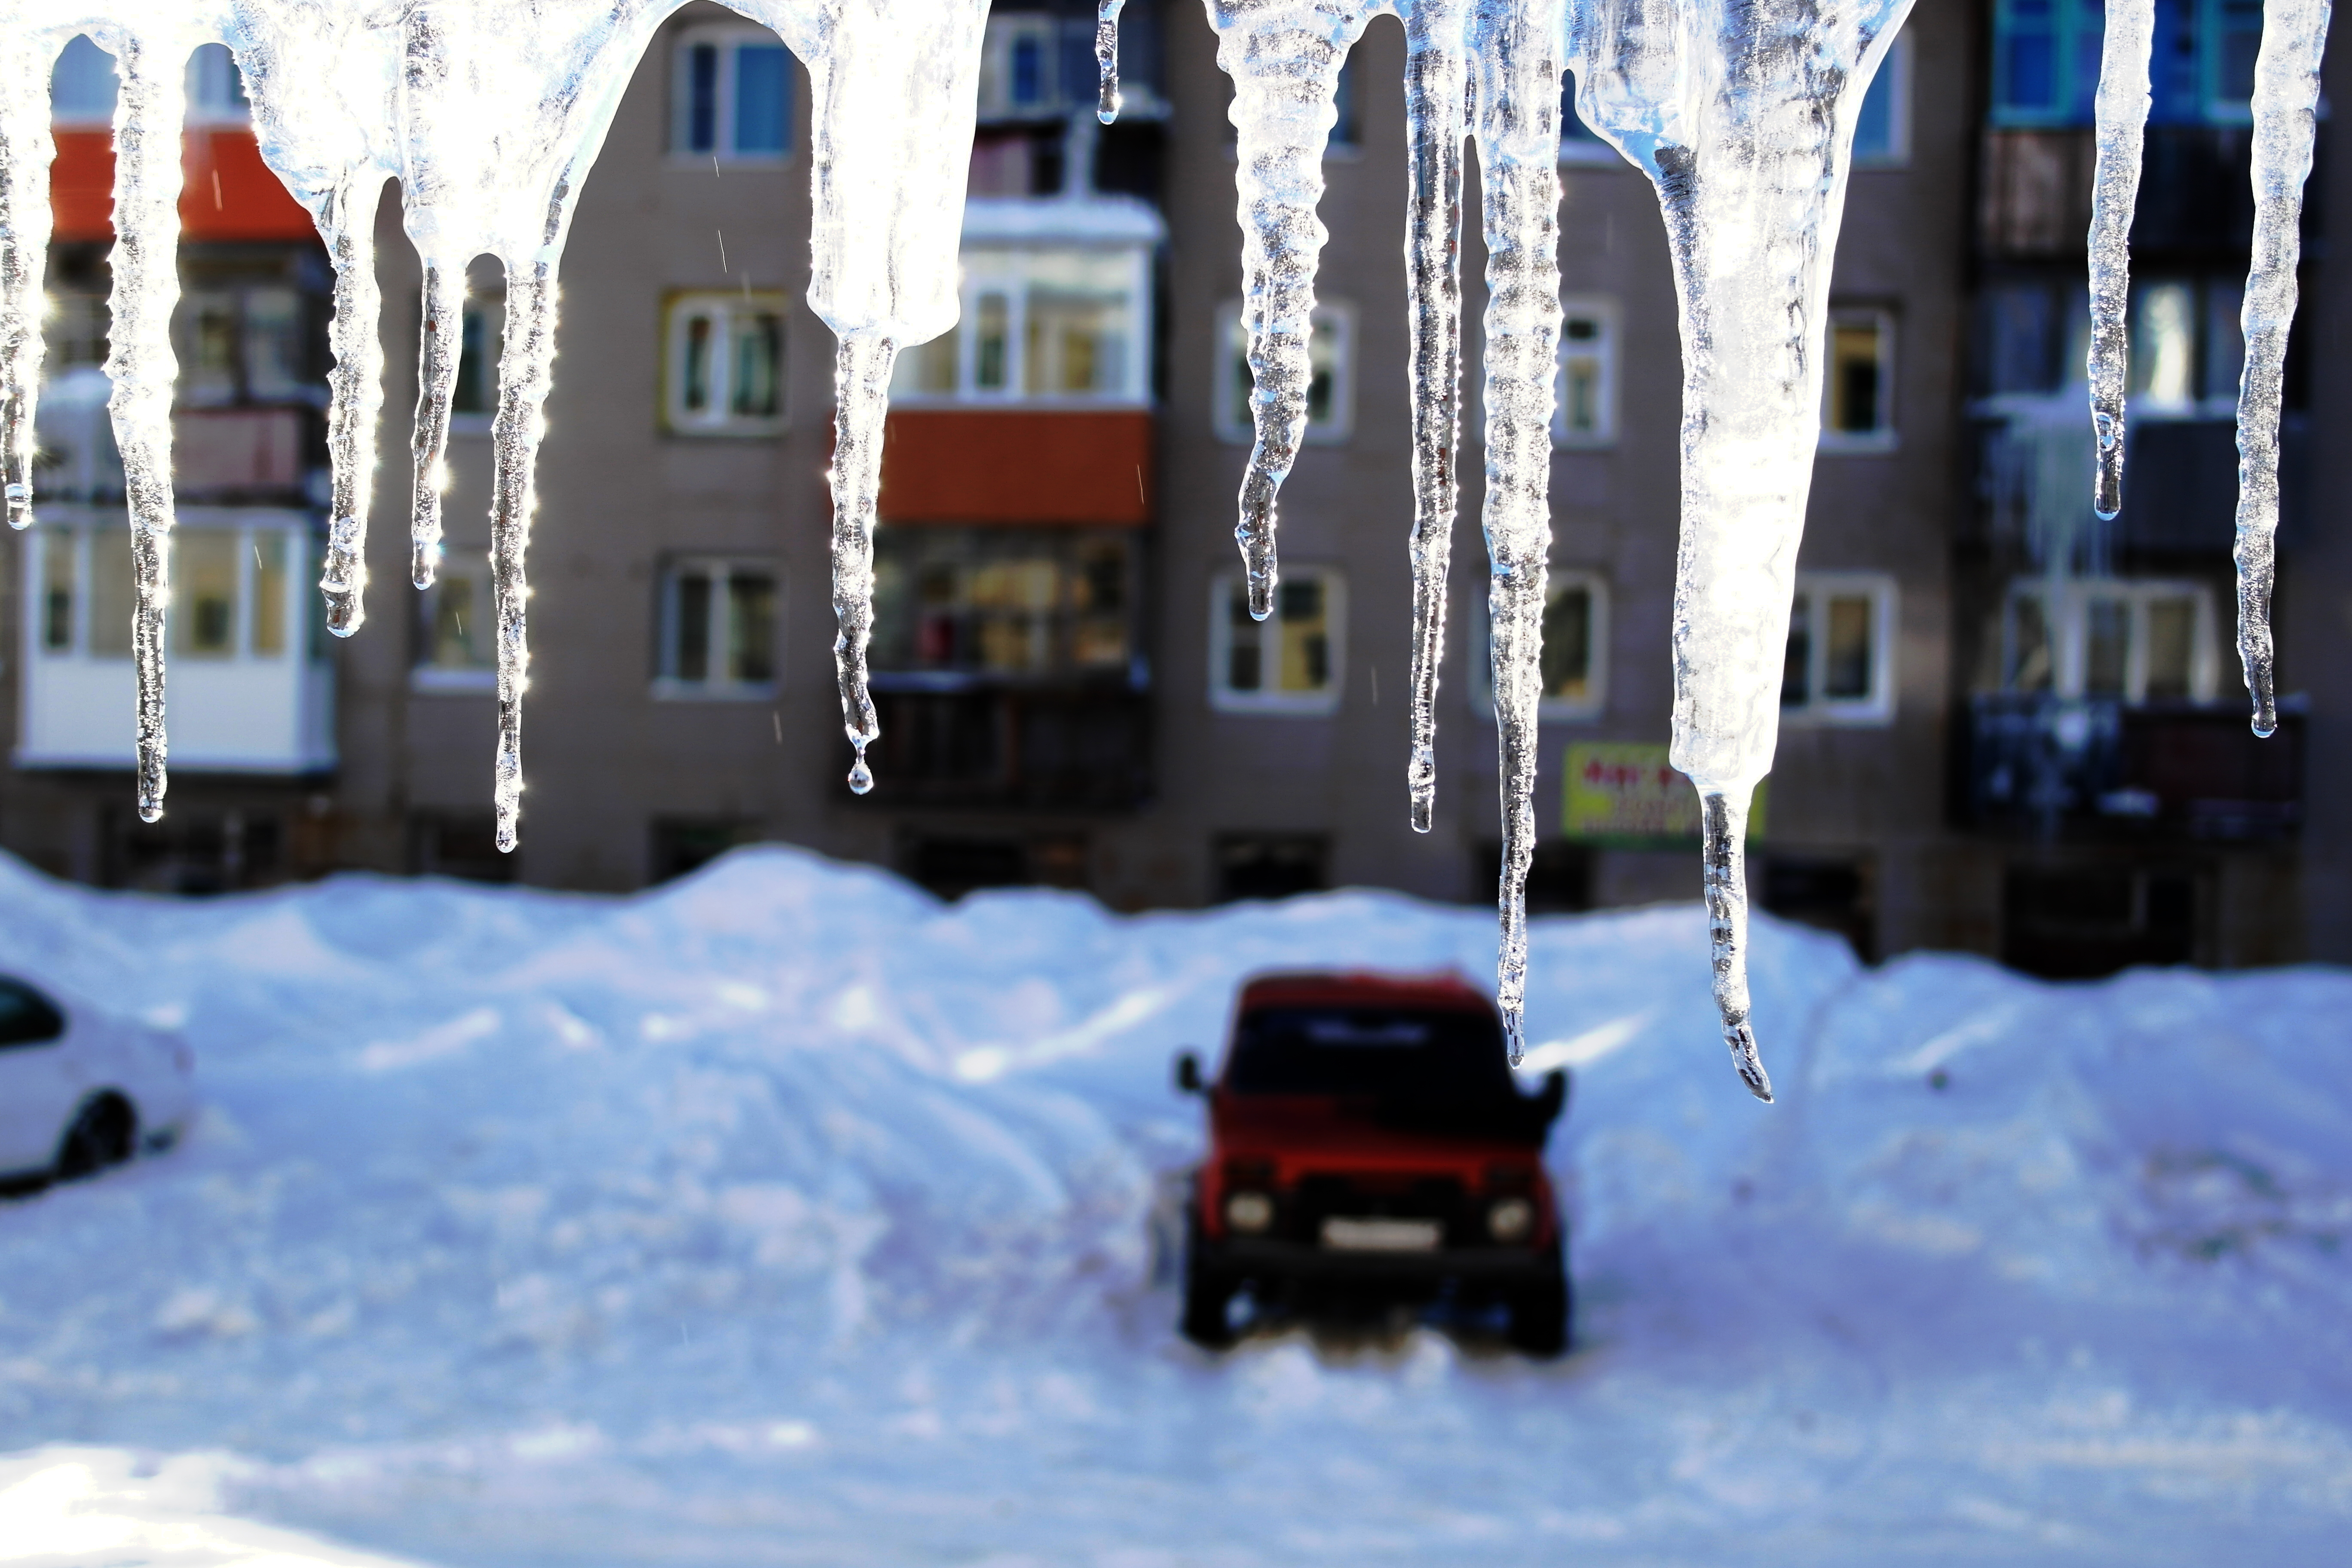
2007 727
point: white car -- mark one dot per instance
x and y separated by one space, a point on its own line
81 1089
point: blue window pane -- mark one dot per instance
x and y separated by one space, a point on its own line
1080 75
1028 71
702 98
1874 128
761 85
1571 127
2031 80
83 84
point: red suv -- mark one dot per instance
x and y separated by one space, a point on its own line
1365 1133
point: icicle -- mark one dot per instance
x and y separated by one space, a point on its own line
1724 870
148 112
1744 119
2115 189
1515 77
893 88
355 399
862 404
1435 75
523 368
1284 57
1106 57
25 152
2287 96
440 340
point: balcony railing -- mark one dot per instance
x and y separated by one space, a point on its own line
2094 768
1051 749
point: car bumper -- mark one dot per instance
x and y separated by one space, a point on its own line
1262 1257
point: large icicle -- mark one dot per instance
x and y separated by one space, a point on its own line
2287 99
1515 76
1284 57
1435 73
148 113
893 88
27 56
523 368
323 85
2114 191
1744 119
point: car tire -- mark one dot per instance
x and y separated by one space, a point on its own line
104 1132
1540 1315
1208 1300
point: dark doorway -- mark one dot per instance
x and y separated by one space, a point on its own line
952 865
195 851
1270 865
2076 923
464 845
1560 877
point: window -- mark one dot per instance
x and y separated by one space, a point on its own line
730 94
233 592
456 625
2046 61
1043 325
1858 384
2126 641
1291 661
958 606
27 1017
1330 391
2187 347
82 85
1584 402
1839 666
1881 131
725 364
1347 104
1578 141
718 629
240 345
1575 648
481 339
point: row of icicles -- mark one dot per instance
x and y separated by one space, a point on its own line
491 114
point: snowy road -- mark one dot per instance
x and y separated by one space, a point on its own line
784 1216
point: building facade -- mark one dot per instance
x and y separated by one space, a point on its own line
2005 729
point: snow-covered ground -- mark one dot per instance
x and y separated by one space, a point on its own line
785 1215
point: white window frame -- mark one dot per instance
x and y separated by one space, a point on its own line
1885 599
474 563
728 37
2067 623
1008 270
669 687
1230 412
78 536
1549 710
1223 699
1604 309
722 306
1895 72
1861 442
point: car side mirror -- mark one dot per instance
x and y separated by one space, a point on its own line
1553 1097
1188 1072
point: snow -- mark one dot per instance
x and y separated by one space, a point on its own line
786 1215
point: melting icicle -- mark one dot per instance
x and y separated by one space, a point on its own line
2286 97
148 112
1515 77
523 368
893 90
1435 76
862 401
25 152
1107 58
1284 57
2114 190
1724 869
355 399
1744 119
440 340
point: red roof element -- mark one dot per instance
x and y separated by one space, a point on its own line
227 192
1443 991
1017 465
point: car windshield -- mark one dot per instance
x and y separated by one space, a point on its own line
1451 1054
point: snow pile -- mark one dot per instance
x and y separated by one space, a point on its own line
785 1214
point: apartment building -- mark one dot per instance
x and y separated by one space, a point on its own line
1067 691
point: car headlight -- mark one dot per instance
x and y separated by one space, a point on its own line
1510 1219
1249 1211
